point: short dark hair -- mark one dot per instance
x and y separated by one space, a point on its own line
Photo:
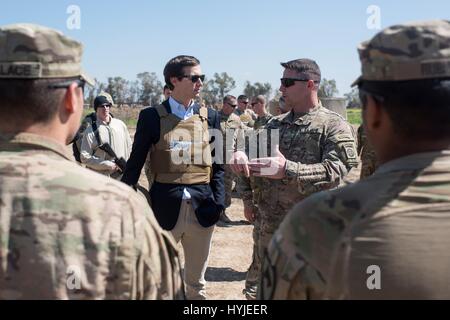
260 98
228 98
419 109
174 68
29 100
166 87
307 67
242 97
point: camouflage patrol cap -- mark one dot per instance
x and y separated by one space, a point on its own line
29 51
412 51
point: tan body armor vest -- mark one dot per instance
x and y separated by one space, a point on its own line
182 154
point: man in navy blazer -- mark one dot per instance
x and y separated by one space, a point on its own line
188 204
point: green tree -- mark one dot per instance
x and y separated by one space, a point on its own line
222 84
216 88
92 92
253 90
328 89
117 88
133 92
150 89
209 93
353 99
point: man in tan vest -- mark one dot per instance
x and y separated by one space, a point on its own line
386 237
187 193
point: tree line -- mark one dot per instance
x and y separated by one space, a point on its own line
147 90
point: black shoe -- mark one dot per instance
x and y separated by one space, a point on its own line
224 218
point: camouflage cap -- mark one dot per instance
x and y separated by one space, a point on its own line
412 51
29 51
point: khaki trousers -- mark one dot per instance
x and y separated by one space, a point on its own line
196 242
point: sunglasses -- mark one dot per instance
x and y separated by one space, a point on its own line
194 78
289 82
66 84
232 105
244 102
254 103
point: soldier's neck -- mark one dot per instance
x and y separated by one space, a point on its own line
400 149
49 131
306 105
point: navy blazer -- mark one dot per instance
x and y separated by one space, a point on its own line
207 199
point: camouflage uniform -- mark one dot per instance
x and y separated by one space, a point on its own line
247 117
320 149
367 155
228 122
249 190
67 232
262 121
395 221
53 225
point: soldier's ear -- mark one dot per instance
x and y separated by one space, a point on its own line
372 114
73 99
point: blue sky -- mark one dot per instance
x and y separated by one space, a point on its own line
246 38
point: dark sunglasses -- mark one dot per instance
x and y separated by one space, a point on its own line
194 78
289 82
232 105
244 102
65 84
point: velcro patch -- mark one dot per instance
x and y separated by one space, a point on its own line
21 70
350 151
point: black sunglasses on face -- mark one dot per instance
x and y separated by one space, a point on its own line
194 78
232 105
289 82
66 84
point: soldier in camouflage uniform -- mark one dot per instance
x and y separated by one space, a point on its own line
247 116
385 237
259 107
229 122
316 150
66 232
249 189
